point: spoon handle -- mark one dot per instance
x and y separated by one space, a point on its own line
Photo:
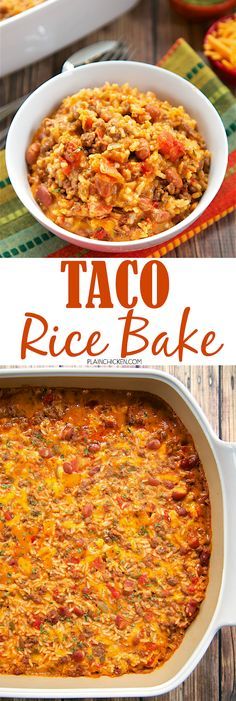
11 107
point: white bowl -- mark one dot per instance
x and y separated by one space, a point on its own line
167 85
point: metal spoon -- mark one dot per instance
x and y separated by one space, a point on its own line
101 51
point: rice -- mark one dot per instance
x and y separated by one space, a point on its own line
103 564
117 164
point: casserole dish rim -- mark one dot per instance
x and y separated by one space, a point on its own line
29 37
31 10
214 442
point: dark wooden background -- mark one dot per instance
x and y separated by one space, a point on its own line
150 29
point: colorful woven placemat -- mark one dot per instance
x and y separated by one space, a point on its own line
22 236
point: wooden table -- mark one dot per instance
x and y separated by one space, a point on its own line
150 29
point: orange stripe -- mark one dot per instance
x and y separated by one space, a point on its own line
171 51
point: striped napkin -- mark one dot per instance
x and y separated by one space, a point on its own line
22 236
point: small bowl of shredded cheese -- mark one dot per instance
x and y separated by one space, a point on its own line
220 47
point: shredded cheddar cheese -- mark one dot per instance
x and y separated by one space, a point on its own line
220 45
104 574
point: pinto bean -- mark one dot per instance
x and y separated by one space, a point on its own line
67 467
94 447
64 611
179 494
67 432
87 510
153 444
153 481
191 609
109 422
204 556
135 416
32 153
181 511
45 452
78 655
173 177
59 598
78 612
193 542
143 151
71 466
154 112
52 617
120 622
43 196
190 462
129 586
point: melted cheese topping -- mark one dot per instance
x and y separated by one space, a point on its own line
104 532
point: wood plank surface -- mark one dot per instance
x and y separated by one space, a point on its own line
150 29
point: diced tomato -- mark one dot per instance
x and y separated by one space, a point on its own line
120 622
151 646
8 515
73 154
122 503
100 234
191 608
88 123
151 661
170 147
33 538
66 167
64 611
146 167
74 559
87 510
114 592
167 516
148 615
78 612
129 586
97 564
142 580
37 622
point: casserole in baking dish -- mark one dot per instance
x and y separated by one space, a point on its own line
105 565
218 608
47 27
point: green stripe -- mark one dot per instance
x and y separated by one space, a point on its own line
4 183
24 246
11 207
201 75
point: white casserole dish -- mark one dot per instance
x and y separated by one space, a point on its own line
219 606
167 85
46 28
